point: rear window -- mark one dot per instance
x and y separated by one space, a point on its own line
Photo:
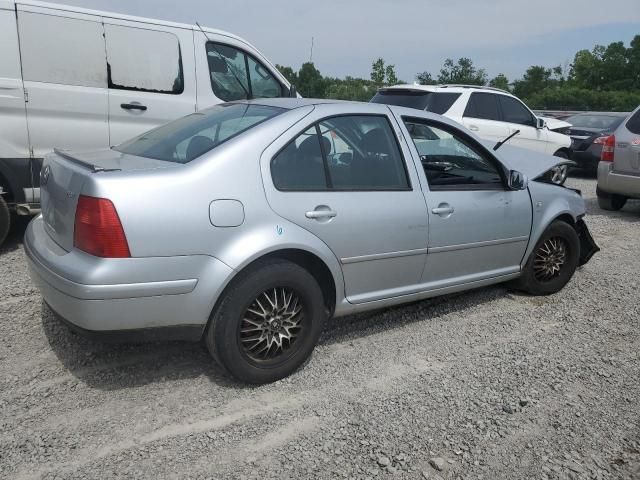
604 122
633 124
436 102
189 137
484 106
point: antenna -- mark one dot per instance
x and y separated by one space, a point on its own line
311 54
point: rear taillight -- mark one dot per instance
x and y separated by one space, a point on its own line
98 230
601 140
607 149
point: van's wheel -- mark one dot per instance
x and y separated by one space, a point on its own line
610 201
267 323
552 262
5 220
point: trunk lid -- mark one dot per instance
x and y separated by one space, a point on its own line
63 177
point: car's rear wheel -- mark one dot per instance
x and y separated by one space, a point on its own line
610 201
267 322
552 262
5 220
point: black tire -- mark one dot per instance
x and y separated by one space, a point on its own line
229 346
610 201
537 282
5 220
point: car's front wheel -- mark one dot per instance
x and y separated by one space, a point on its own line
267 323
552 262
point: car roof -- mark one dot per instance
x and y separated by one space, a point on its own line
444 87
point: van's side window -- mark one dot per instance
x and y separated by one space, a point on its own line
70 53
236 75
143 60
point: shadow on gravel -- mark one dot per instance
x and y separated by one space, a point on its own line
14 239
630 213
109 366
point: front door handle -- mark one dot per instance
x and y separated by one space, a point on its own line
133 106
444 209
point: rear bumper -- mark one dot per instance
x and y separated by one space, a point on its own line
586 159
130 296
610 181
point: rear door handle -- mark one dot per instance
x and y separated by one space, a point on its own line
133 106
443 209
317 214
473 128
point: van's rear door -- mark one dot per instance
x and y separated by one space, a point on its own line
151 76
626 157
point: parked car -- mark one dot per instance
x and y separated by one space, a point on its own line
619 167
588 133
84 79
250 223
490 113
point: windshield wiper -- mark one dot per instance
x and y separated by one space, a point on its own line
502 142
225 62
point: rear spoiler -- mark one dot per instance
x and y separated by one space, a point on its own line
77 161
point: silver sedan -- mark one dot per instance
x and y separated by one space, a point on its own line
249 224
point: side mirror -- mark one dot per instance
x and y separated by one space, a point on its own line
293 92
540 123
517 180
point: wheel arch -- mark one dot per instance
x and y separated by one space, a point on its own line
563 150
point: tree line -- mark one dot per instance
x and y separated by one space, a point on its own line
603 78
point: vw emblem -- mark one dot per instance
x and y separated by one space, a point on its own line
46 171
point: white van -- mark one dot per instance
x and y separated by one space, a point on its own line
84 79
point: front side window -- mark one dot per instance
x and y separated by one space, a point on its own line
515 112
236 75
187 138
483 105
349 153
450 161
143 60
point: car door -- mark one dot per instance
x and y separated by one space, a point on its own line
478 229
518 117
151 76
482 117
344 176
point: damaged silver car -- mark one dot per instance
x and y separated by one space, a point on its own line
249 224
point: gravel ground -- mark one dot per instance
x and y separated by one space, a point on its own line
486 384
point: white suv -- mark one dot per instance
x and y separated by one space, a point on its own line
491 113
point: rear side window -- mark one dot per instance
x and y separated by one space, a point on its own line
436 102
143 60
348 153
483 105
187 138
59 50
515 112
633 124
236 75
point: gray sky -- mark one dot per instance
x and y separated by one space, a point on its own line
502 36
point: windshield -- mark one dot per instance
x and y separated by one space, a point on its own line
189 137
604 122
436 102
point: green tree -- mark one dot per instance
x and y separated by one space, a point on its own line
535 79
289 74
425 78
390 75
500 81
378 72
462 72
310 81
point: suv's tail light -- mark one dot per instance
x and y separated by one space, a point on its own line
601 140
98 230
608 147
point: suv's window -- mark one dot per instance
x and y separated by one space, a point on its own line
189 137
237 75
515 112
633 124
50 58
436 102
143 60
357 152
483 105
450 161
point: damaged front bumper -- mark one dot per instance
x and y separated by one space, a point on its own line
588 247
